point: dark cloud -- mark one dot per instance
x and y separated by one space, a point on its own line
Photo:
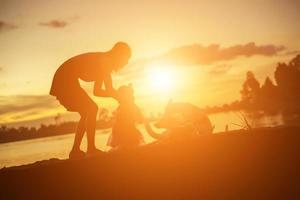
198 54
54 23
21 116
220 69
5 26
14 104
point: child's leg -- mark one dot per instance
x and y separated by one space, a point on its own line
81 128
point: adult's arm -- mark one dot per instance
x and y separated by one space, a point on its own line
108 91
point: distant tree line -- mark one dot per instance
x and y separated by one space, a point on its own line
10 134
283 96
59 128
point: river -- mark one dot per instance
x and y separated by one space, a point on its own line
29 151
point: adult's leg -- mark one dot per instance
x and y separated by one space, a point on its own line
91 126
80 130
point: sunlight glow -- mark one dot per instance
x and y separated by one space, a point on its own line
161 78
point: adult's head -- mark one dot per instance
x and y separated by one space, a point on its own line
120 55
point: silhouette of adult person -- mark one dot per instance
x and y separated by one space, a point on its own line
94 67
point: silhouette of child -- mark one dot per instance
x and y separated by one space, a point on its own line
124 132
94 67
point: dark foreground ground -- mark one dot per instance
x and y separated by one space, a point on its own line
259 164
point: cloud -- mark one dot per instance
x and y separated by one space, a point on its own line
5 26
20 103
197 54
295 52
30 110
54 24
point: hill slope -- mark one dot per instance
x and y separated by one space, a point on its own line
258 164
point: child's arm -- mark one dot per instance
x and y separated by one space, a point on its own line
109 90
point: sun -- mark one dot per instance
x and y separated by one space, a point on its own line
161 78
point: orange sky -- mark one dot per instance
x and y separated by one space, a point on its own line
176 36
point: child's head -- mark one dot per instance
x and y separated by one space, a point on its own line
121 54
125 94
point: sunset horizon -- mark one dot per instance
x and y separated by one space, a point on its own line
206 53
149 99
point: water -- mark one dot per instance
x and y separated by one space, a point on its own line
29 151
237 120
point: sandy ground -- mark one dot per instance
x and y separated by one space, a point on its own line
257 164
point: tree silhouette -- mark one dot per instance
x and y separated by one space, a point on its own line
250 90
268 92
57 118
287 77
3 128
